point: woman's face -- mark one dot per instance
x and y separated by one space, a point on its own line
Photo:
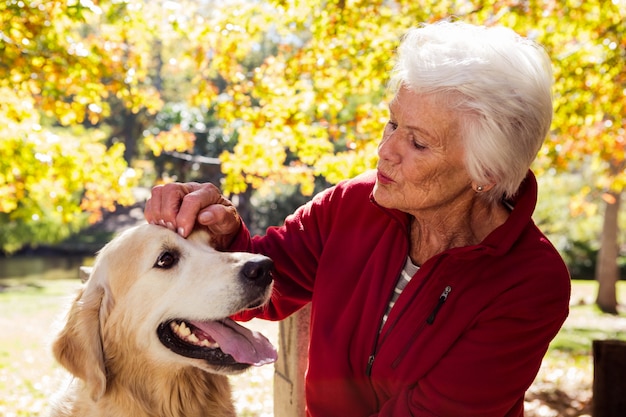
420 164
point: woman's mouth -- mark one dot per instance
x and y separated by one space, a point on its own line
382 178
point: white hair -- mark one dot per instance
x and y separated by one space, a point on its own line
499 82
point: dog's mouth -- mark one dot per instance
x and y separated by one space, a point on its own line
222 343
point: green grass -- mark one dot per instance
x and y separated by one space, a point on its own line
576 341
586 323
30 311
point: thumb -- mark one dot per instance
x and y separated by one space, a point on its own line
220 219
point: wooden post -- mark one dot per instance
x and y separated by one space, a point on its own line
293 342
609 378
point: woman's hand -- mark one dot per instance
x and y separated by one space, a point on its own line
182 206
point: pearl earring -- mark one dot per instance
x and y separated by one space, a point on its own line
479 188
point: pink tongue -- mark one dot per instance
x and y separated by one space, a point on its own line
245 345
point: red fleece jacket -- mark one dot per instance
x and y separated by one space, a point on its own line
471 352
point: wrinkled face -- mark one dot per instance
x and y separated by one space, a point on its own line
420 163
172 298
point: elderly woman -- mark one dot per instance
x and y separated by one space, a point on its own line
433 293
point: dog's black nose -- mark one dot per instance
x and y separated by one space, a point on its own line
258 270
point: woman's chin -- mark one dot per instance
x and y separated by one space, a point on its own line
381 196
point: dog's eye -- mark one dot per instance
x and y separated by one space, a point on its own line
166 260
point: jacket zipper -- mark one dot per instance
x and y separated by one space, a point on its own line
429 321
442 299
370 363
372 357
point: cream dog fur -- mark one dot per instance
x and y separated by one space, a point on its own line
149 334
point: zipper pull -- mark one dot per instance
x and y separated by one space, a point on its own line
370 363
442 299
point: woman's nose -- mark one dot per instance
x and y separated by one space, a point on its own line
387 148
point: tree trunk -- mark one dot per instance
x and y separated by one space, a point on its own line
129 136
607 272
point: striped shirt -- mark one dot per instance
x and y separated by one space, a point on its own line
407 273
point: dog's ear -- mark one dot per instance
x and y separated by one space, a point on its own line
78 347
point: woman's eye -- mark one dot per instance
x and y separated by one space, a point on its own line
417 146
391 125
166 260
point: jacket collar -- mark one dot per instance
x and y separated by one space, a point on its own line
502 238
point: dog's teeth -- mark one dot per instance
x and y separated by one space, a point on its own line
185 333
208 344
184 330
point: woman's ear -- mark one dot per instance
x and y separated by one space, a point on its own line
481 188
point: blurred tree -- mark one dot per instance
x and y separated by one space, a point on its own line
51 181
308 106
42 56
125 42
186 142
298 88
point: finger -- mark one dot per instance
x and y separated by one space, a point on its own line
220 219
164 204
223 223
199 198
152 210
170 200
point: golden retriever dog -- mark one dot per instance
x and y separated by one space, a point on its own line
149 334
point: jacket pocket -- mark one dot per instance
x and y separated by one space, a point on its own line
430 320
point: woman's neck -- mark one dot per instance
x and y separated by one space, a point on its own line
464 225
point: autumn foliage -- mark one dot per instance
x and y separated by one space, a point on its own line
301 85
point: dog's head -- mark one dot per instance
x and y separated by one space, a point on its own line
154 295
